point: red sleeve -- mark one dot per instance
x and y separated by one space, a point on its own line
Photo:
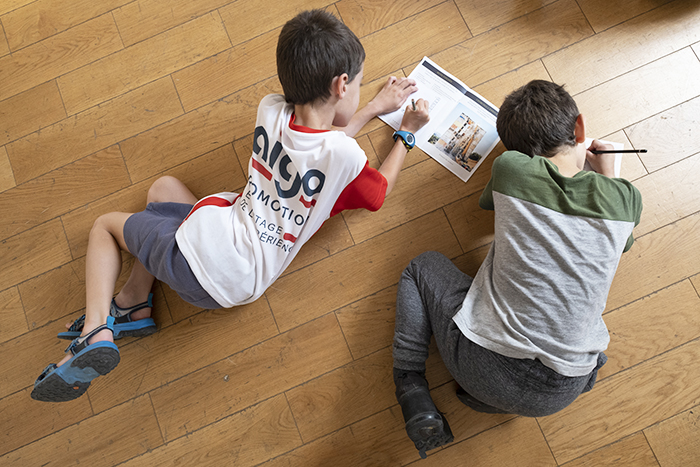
367 191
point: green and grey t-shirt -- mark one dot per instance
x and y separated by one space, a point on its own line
541 291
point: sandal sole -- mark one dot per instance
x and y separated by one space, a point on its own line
72 379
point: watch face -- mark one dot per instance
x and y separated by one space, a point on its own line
410 139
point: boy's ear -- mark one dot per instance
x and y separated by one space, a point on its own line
580 129
339 85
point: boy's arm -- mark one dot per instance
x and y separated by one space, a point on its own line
413 120
390 98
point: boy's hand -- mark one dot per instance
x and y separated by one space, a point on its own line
414 120
602 163
393 94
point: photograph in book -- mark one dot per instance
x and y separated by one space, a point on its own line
462 127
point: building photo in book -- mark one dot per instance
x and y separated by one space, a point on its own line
460 140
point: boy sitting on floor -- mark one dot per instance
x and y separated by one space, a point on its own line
227 249
526 335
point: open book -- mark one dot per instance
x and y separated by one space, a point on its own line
462 127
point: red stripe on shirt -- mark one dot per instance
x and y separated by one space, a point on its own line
367 190
261 168
289 237
212 201
303 129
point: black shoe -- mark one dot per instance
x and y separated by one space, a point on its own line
425 425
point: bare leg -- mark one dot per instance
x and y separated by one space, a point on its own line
138 286
103 262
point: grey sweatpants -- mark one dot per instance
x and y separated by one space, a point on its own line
431 291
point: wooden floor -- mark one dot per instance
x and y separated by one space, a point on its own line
98 98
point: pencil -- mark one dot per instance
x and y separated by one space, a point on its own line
414 104
620 151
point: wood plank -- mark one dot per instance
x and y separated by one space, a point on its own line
516 43
677 124
196 132
412 197
248 377
44 18
357 271
9 5
143 62
111 437
207 174
516 443
496 90
227 72
379 440
602 14
673 249
365 17
181 349
4 46
25 420
470 262
14 323
632 44
639 332
669 194
246 19
30 111
633 451
32 253
7 179
473 226
658 86
482 17
26 356
626 403
350 393
61 190
95 129
244 439
385 54
61 292
140 20
368 324
58 54
676 441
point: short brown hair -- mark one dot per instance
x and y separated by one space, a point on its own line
538 119
313 48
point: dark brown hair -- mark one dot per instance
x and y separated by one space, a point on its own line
538 119
313 48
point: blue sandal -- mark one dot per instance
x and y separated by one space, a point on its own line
70 380
123 324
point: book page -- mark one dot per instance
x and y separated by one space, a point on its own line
618 156
462 127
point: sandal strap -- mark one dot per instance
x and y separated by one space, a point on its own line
123 315
77 325
78 344
45 372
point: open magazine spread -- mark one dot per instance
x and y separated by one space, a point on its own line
462 127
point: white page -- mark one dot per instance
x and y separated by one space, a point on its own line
618 156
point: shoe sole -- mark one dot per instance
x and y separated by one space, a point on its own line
429 431
72 379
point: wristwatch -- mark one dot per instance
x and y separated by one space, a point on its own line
406 137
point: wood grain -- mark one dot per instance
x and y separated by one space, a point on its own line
676 441
14 323
29 111
633 451
57 55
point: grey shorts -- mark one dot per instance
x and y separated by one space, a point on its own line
150 237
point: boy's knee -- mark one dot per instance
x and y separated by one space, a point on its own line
160 187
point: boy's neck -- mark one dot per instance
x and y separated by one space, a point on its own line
569 161
317 116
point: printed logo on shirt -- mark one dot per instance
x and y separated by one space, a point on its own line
280 202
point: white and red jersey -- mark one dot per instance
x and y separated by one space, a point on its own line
238 244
